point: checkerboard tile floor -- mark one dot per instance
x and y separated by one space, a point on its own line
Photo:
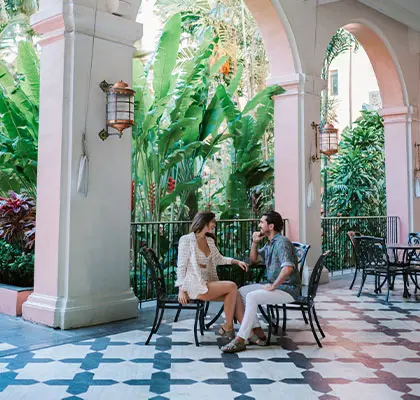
371 350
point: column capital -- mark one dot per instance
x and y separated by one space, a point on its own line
296 84
53 24
396 115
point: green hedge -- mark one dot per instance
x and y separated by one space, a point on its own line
16 267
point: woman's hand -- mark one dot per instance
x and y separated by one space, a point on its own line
183 297
269 287
241 264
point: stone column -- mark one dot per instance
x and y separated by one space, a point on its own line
294 144
82 243
401 132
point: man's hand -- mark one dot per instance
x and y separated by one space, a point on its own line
257 237
269 287
183 297
241 264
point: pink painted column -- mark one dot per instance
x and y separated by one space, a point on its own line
295 110
82 256
399 165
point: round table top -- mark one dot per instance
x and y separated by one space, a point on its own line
403 246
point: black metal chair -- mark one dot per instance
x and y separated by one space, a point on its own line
306 303
165 301
414 259
351 235
373 259
301 253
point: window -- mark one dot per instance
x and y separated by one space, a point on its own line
375 99
333 84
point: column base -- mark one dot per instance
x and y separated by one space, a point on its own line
325 276
67 313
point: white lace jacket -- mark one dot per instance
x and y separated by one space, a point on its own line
190 276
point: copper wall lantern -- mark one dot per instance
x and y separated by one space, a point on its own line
326 140
119 108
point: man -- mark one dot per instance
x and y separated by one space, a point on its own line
283 276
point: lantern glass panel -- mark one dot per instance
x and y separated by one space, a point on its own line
112 105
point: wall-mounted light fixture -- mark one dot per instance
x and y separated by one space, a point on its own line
119 108
417 169
326 140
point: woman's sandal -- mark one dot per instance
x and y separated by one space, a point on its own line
254 339
224 333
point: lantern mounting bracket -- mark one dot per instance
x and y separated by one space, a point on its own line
104 85
315 156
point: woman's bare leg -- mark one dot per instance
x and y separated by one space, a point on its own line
226 290
240 308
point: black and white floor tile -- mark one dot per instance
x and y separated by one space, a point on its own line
371 350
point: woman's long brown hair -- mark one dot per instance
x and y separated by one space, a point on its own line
201 219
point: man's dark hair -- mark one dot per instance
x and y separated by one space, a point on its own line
273 217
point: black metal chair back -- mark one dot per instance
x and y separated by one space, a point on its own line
156 271
316 276
301 253
414 238
371 253
351 235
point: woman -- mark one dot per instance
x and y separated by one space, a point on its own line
197 278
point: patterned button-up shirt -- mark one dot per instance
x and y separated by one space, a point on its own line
277 254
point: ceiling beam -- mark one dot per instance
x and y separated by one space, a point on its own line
397 11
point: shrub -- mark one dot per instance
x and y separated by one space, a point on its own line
17 220
16 266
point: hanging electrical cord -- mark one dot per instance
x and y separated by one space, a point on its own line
83 175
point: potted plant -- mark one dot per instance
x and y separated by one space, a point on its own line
17 241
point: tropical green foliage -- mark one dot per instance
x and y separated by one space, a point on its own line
356 176
240 41
19 109
179 125
247 129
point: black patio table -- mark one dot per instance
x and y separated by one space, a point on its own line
232 272
402 254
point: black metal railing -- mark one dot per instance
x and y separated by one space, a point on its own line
234 240
334 237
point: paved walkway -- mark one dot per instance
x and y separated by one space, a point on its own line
371 350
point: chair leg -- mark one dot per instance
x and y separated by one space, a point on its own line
376 290
406 286
177 313
284 318
197 318
416 283
160 320
270 327
313 329
277 320
273 317
202 311
215 318
265 316
361 285
206 309
317 322
154 325
304 315
389 287
354 279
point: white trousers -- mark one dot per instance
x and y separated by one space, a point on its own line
253 296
